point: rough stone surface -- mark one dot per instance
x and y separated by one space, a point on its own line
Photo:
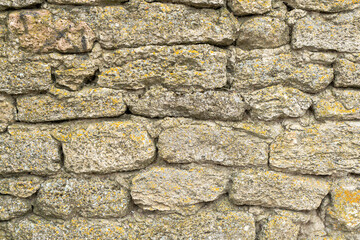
241 7
196 3
274 189
279 228
104 147
22 187
12 207
7 112
160 102
325 5
176 67
212 144
4 4
64 198
74 78
347 74
86 2
62 105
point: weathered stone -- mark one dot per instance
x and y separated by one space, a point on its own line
74 78
319 31
64 198
279 228
19 78
12 207
337 104
277 102
38 31
20 186
325 5
7 111
61 105
169 188
104 147
196 3
29 151
212 144
176 67
249 7
274 189
321 149
85 2
4 4
159 102
347 74
263 68
263 32
344 210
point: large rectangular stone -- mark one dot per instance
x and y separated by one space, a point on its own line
324 6
4 4
12 207
347 73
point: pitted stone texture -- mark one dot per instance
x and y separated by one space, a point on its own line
276 102
86 2
177 67
7 111
103 147
263 32
74 78
321 149
29 151
347 74
212 144
170 189
324 5
279 228
22 187
12 207
4 4
344 208
318 31
337 104
196 3
262 68
62 105
24 77
159 102
242 7
64 198
274 189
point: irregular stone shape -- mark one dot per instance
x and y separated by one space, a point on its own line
197 3
12 207
321 149
169 188
85 2
63 198
19 78
241 7
159 102
325 5
274 189
339 33
277 102
29 151
7 111
212 144
344 207
38 31
279 228
4 4
63 105
103 147
74 78
266 68
20 186
337 104
347 74
263 32
175 67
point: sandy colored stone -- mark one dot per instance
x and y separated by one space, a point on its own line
63 105
170 189
12 207
241 7
196 3
107 146
74 78
86 2
176 67
159 102
93 198
263 32
325 5
279 228
274 189
339 33
321 149
23 187
24 77
212 144
4 4
277 102
347 74
7 111
337 104
38 31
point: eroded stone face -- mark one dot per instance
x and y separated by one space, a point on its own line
196 3
279 227
211 144
325 5
74 78
274 189
347 74
92 198
7 111
12 207
4 4
86 2
249 7
20 186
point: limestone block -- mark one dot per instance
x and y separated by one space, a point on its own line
12 207
7 111
197 3
241 7
325 5
23 187
85 2
74 78
279 228
347 74
4 4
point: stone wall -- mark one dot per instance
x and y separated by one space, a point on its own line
179 119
